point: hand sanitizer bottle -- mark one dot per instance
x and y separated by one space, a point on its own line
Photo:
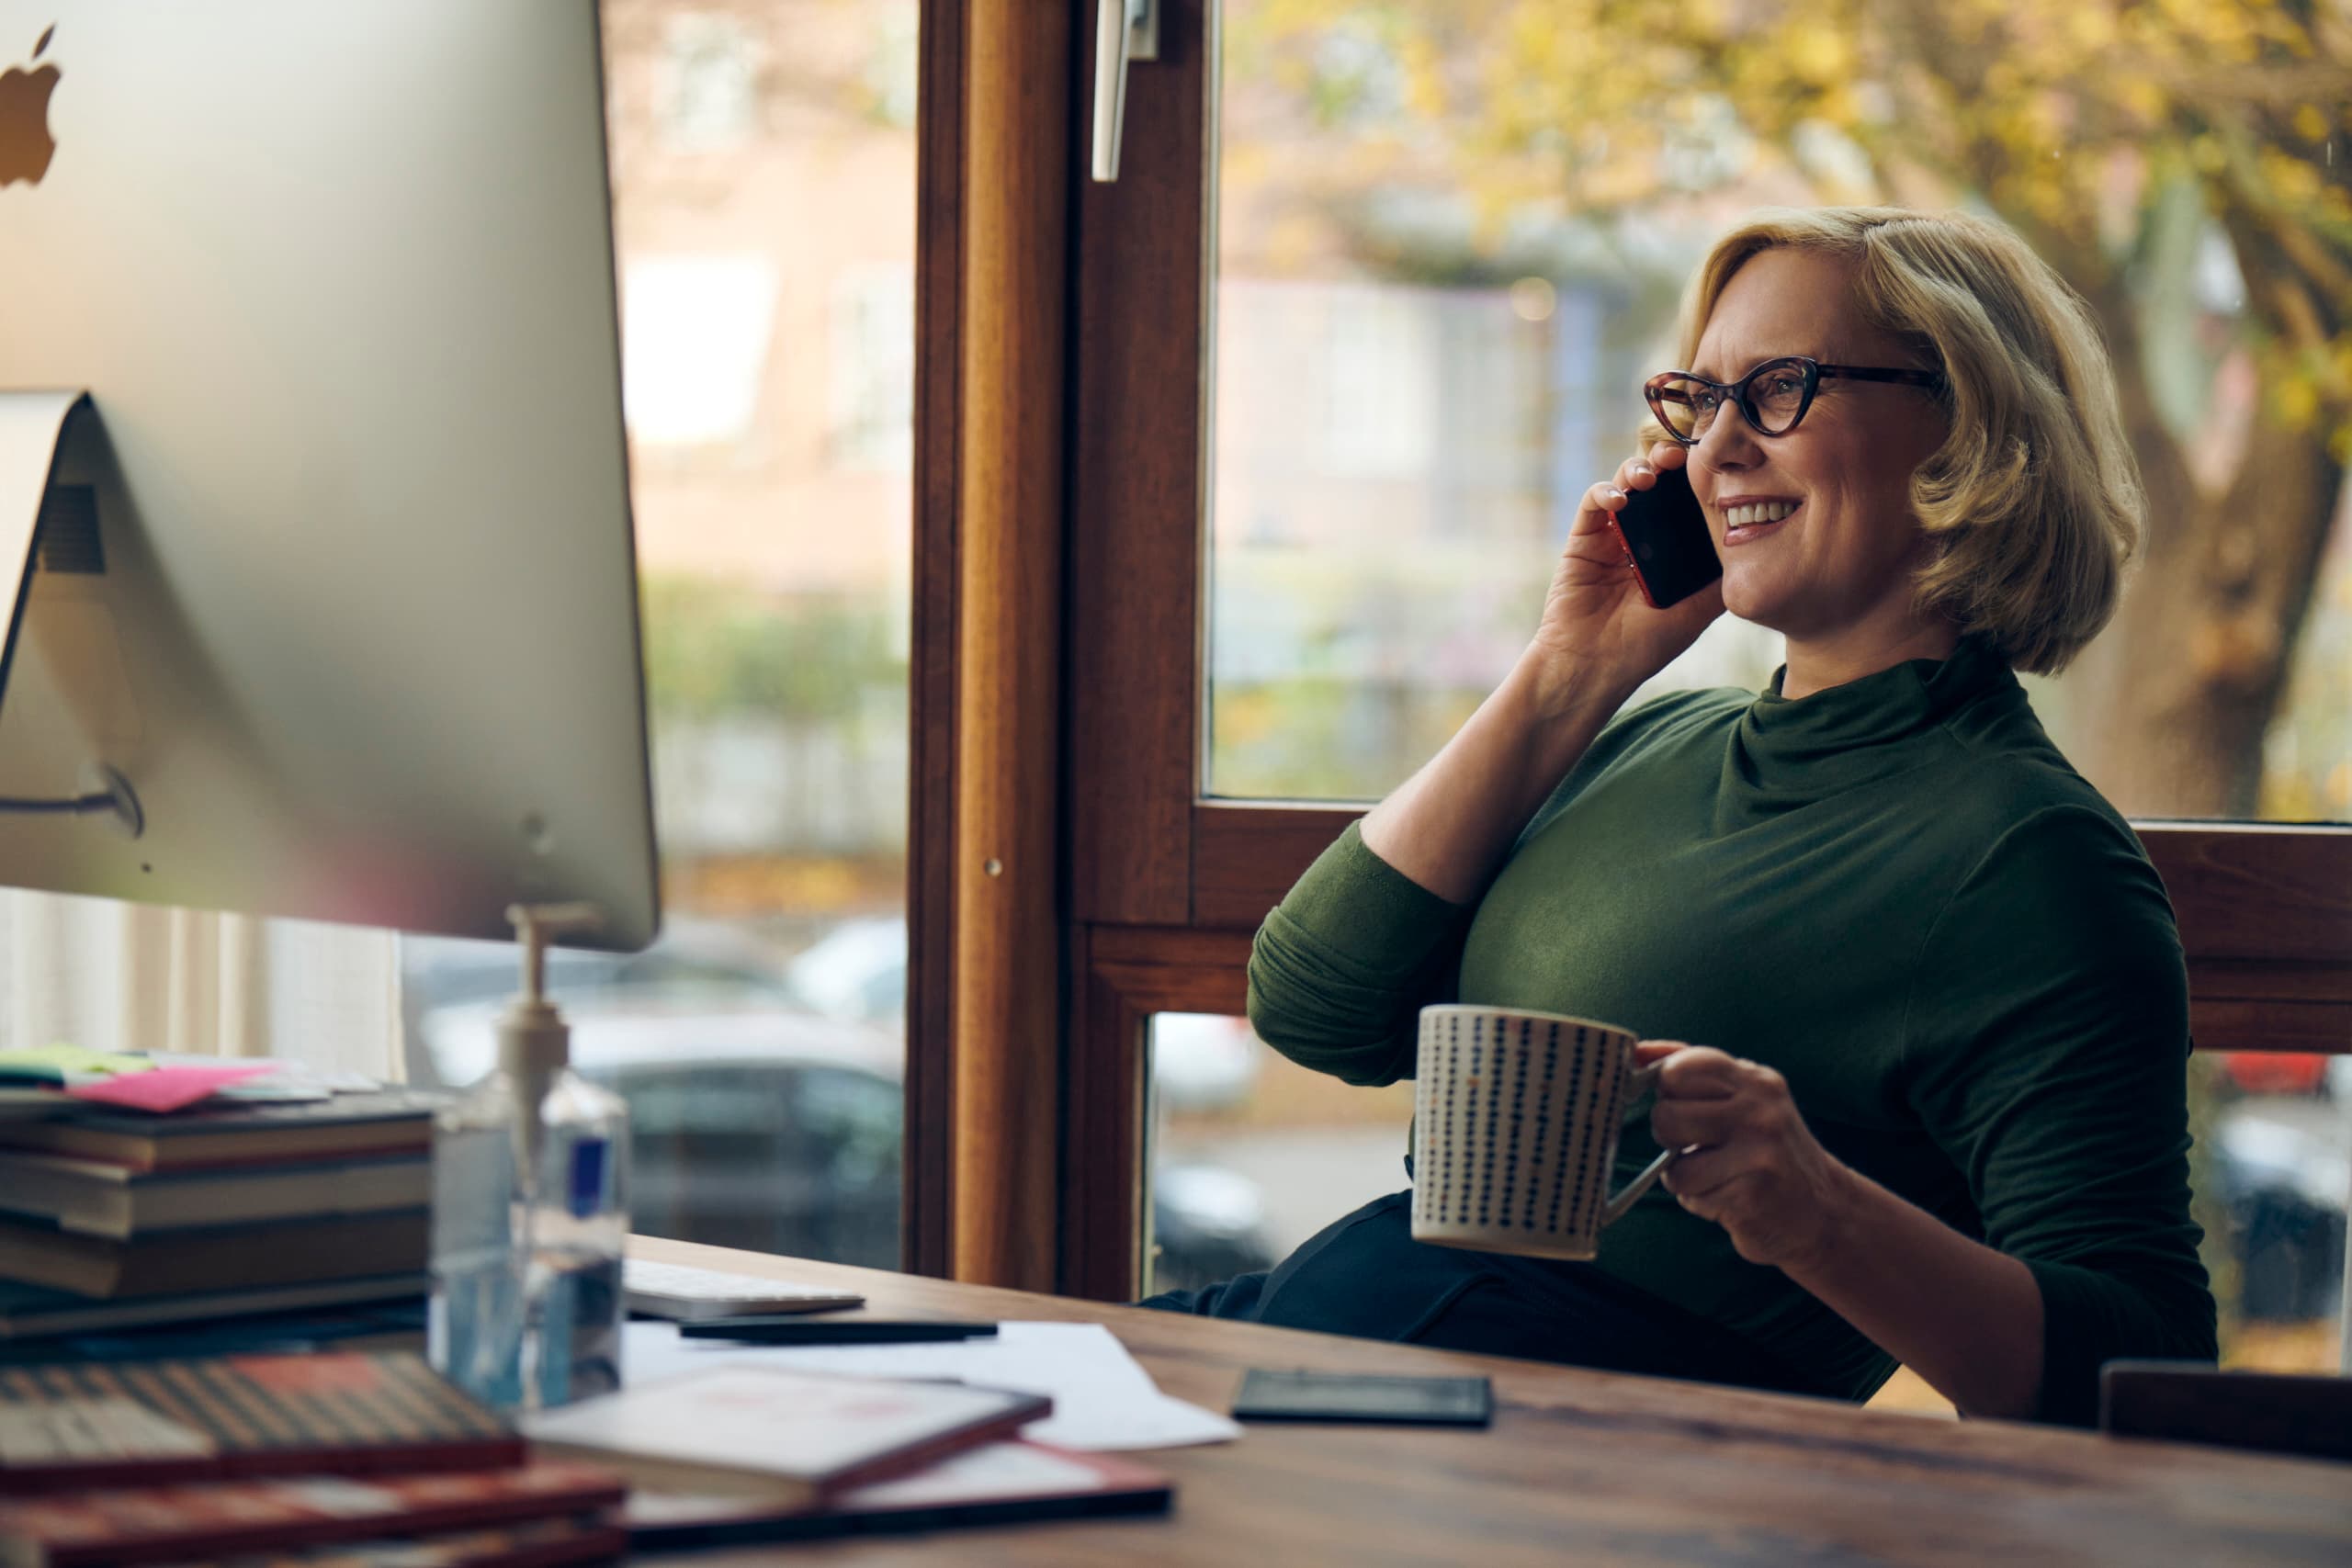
530 1210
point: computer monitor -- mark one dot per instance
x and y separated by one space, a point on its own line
338 570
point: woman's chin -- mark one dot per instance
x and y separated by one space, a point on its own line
1751 600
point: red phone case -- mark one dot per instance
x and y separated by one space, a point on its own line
1627 551
1675 541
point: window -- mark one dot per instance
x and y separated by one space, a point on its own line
1512 232
695 346
1252 1154
1385 613
1378 359
709 86
760 1042
872 372
890 64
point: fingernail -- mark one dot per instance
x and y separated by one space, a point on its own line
1615 492
1641 468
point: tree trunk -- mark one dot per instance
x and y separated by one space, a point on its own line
2185 683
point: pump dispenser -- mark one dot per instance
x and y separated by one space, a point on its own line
529 1207
533 1042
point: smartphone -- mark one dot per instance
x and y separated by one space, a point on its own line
1271 1395
1664 534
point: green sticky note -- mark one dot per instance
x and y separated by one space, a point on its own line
51 1064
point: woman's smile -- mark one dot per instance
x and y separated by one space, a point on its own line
1747 519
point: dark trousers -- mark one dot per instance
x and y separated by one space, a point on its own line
1366 1277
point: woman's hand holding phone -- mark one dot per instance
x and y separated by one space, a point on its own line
1449 825
1596 624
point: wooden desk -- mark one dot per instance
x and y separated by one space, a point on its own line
1593 1468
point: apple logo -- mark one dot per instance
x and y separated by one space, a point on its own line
25 142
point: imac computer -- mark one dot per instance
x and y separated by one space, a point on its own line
311 463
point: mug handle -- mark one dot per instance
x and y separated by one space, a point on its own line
1614 1210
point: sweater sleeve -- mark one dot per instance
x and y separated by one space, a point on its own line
1342 968
2045 1050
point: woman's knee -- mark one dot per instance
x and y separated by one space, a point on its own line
1234 1298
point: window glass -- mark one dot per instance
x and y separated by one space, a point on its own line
1449 246
763 162
1250 1154
706 81
2274 1182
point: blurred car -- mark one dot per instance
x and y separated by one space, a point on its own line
2276 1072
857 972
757 1121
695 965
2283 1168
1202 1061
1207 1225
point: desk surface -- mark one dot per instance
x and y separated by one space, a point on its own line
1595 1469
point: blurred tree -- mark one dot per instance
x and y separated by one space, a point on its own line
716 649
2185 164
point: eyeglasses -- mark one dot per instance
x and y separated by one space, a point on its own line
1773 396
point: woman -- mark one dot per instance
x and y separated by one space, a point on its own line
1932 1102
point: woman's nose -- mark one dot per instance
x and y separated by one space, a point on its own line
1728 444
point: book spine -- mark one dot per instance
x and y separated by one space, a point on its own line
481 1453
326 1529
603 1544
906 1460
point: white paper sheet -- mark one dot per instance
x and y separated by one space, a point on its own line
1102 1398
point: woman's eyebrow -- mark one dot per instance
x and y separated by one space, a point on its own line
1711 364
1750 364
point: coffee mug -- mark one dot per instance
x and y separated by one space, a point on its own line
1516 1116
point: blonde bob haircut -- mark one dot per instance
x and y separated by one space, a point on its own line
2034 498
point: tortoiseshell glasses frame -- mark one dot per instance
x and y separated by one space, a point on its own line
1773 397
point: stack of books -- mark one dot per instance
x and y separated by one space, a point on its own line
361 1459
347 1458
112 1218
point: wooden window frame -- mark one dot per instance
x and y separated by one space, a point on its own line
985 912
1161 885
926 1184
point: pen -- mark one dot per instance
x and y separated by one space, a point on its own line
842 1331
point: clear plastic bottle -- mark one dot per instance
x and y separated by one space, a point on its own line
530 1213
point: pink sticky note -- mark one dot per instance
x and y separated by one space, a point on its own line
166 1088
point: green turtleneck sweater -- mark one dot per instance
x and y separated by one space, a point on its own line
1897 893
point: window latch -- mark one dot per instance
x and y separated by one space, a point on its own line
1124 30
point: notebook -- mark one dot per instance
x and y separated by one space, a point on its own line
789 1437
224 1257
203 1520
36 1311
686 1294
104 1198
217 1133
79 1424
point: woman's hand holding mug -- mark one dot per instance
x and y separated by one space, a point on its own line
1747 1161
1596 625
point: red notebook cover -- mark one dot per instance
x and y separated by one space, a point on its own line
76 1423
176 1524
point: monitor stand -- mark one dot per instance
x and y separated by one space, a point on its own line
34 427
